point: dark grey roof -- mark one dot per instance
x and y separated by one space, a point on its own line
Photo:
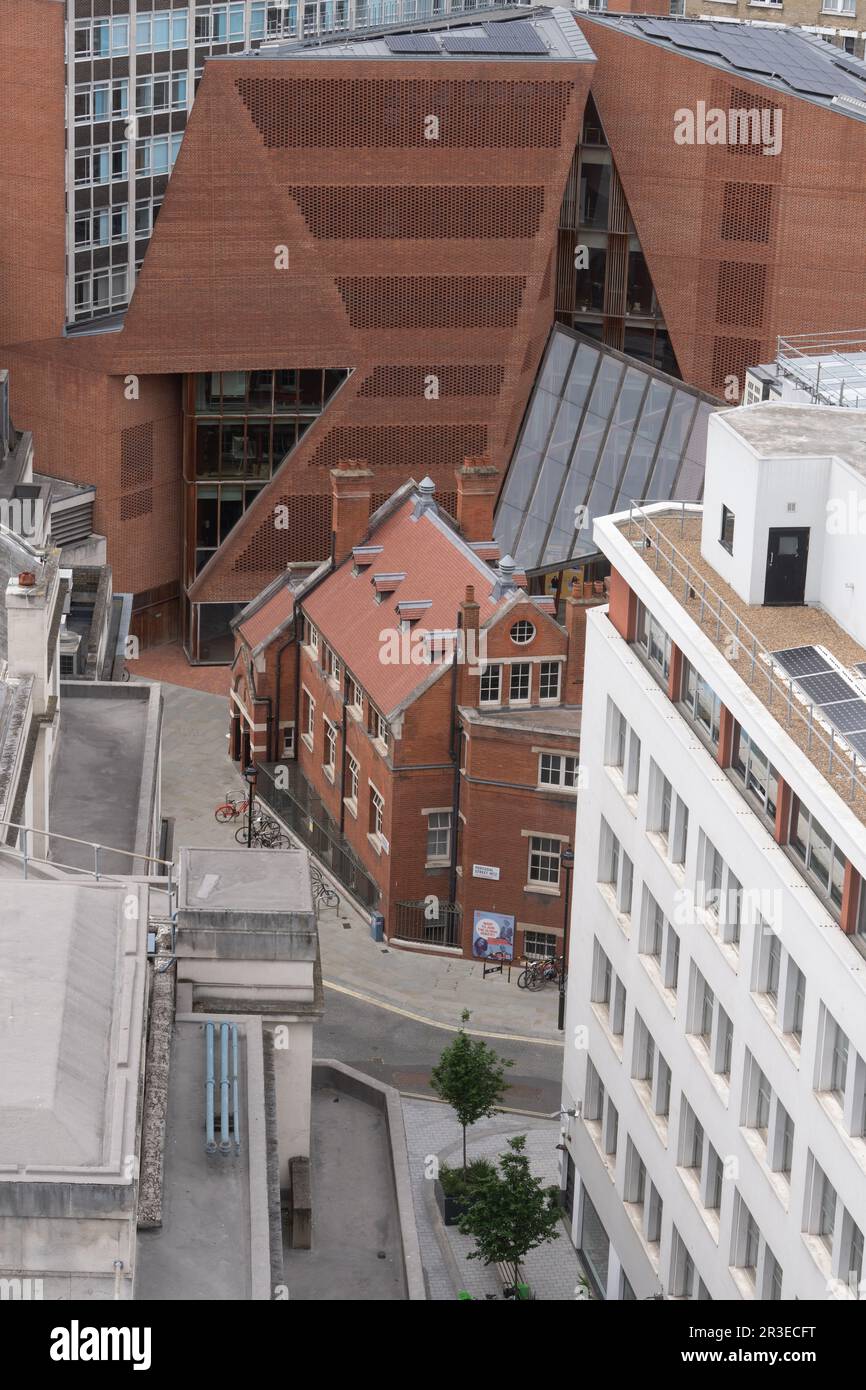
539 34
601 430
787 59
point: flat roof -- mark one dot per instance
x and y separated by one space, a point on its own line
777 429
247 881
540 35
72 1013
787 59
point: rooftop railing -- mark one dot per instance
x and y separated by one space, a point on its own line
836 381
841 765
34 847
364 17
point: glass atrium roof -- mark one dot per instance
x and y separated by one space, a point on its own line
601 430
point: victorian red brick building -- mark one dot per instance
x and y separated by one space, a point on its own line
427 709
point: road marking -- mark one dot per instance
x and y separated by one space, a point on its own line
435 1023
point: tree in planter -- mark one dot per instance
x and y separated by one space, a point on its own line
512 1213
471 1078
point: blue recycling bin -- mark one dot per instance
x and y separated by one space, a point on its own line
377 926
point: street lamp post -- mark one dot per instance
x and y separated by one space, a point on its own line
567 862
250 775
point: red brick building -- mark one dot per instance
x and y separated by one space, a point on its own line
427 707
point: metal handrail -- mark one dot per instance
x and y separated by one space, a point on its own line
98 872
696 586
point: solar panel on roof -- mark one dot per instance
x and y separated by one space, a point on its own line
826 688
801 661
848 716
860 666
515 38
858 743
857 70
411 43
455 44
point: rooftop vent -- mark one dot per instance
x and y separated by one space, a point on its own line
426 498
386 584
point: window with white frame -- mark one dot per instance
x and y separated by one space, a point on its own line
745 1239
330 761
654 641
491 685
833 1057
615 868
308 718
593 1103
519 682
655 1216
683 1272
635 1188
622 748
643 1051
781 1141
539 945
102 38
100 290
165 91
377 726
558 770
288 744
544 861
549 681
668 816
377 812
659 942
146 212
354 698
522 632
702 1004
757 1099
101 226
156 154
821 1204
156 33
438 837
352 782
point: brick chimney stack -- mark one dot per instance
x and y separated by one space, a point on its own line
577 603
352 495
468 659
477 490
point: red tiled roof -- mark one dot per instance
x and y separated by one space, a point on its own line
262 623
438 566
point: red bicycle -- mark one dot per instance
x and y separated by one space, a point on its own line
230 809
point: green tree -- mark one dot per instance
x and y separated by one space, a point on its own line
470 1076
513 1212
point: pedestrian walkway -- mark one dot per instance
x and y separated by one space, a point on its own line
552 1271
197 773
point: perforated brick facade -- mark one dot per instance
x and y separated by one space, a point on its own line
741 246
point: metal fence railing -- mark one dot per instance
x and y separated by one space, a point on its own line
30 845
422 923
832 757
302 811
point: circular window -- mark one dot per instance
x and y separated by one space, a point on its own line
522 632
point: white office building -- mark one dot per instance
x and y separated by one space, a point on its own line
715 1056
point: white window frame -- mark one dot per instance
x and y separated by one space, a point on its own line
439 814
561 776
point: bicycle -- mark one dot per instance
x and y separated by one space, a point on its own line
267 833
539 972
322 890
230 809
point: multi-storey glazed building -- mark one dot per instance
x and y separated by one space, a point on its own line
715 1072
129 70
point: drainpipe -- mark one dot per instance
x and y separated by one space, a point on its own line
209 1094
343 764
224 1088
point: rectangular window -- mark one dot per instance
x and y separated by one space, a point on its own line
519 682
700 703
439 836
726 537
757 1098
812 844
289 741
330 747
377 812
352 780
548 688
308 716
654 641
539 945
757 774
682 1268
622 748
557 770
655 1215
594 1098
544 857
491 685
